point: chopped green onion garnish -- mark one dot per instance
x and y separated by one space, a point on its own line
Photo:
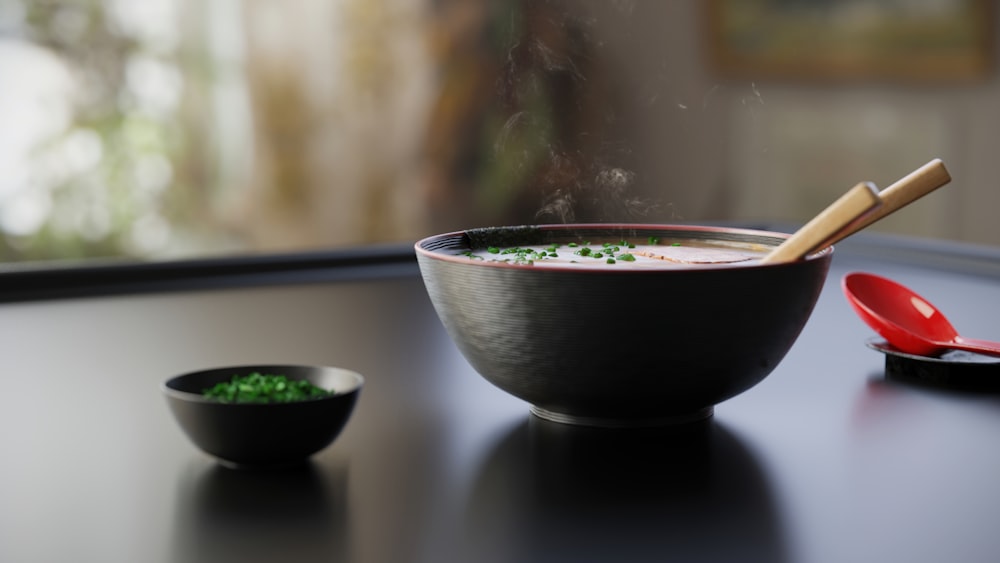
264 388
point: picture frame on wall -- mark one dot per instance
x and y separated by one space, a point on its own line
844 40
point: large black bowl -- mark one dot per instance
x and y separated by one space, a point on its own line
263 435
616 346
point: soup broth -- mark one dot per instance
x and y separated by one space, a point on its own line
669 254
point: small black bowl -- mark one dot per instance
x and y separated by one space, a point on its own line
263 434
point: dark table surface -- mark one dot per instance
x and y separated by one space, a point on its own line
826 460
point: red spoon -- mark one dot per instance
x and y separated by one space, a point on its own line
906 320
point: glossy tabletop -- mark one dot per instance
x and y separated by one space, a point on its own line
826 460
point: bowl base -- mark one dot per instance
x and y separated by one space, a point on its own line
274 466
643 422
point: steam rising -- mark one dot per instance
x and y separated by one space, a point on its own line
598 193
562 124
559 116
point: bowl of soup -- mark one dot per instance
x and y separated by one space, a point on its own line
620 325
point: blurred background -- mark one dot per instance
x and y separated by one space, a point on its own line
159 129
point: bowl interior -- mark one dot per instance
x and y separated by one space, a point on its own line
191 386
481 245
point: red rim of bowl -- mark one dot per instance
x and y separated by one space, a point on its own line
437 255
